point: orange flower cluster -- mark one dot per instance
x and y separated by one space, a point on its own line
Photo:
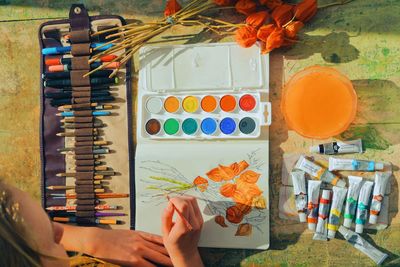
275 24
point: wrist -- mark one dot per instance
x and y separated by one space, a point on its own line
189 258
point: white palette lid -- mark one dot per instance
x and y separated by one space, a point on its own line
214 67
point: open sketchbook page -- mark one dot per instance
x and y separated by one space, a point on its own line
229 179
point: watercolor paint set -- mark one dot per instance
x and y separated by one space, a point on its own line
203 119
183 97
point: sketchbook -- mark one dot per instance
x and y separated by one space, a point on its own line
202 130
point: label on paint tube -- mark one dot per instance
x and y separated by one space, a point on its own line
336 164
339 194
318 172
359 243
353 146
300 192
381 181
355 183
321 231
313 194
362 207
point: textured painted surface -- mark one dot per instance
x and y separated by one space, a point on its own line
361 39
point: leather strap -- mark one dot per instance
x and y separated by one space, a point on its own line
84 175
85 196
83 150
86 214
84 182
77 78
80 63
80 36
80 49
84 168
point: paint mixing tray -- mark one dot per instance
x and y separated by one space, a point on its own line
207 91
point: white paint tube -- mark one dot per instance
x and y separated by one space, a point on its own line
355 183
313 195
300 193
318 172
338 147
336 164
362 207
339 194
359 243
381 181
321 231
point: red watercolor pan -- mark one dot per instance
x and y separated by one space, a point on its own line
247 102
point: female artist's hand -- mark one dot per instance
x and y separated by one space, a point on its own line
181 241
122 247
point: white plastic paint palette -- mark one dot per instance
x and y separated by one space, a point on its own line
229 115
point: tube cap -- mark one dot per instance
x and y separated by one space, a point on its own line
314 149
312 226
379 165
331 234
359 228
341 183
373 219
347 222
302 217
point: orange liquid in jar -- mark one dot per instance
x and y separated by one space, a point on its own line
319 102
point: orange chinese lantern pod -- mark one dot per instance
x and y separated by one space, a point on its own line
305 10
264 32
244 208
171 8
242 165
246 7
224 2
274 40
227 190
246 36
257 19
271 4
249 176
201 183
220 220
248 189
282 14
293 28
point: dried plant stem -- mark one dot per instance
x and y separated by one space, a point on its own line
343 2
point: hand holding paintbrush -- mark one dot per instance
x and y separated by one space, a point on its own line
182 235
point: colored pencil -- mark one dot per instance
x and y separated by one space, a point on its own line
81 157
94 113
91 143
82 125
62 213
67 101
76 132
67 82
64 95
89 220
71 174
65 49
68 67
76 148
68 60
97 188
95 151
67 74
98 195
77 119
98 207
92 106
187 224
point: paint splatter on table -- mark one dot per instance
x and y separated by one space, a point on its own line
360 39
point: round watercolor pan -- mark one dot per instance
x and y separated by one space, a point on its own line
153 126
209 126
227 126
172 104
154 105
190 126
228 103
209 103
190 104
247 102
171 126
247 125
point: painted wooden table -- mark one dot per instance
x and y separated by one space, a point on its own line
361 39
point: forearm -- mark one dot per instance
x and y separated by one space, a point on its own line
192 260
78 239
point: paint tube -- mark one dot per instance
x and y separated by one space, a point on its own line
339 194
300 192
321 231
359 243
353 146
381 181
318 172
313 195
355 183
362 207
336 164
